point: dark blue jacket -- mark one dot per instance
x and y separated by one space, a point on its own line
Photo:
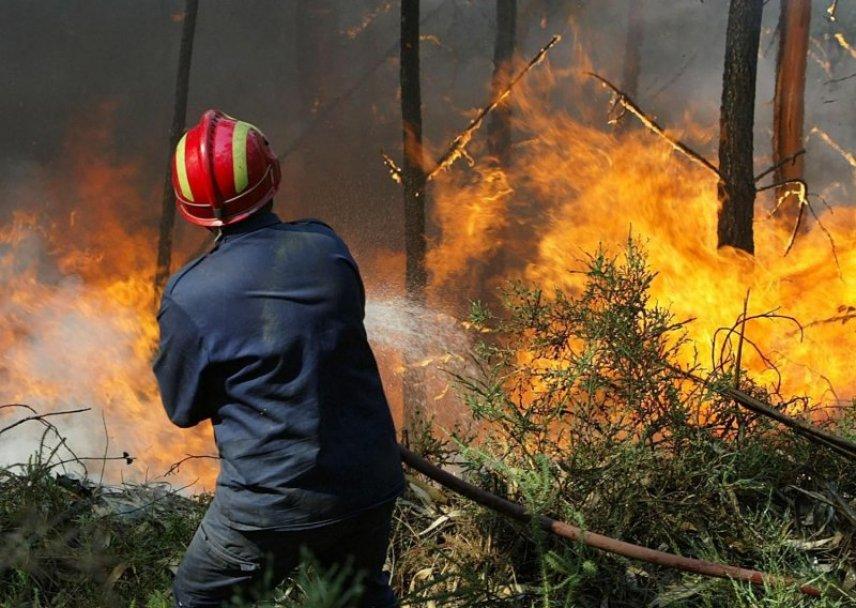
264 335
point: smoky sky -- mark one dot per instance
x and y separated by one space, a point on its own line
70 66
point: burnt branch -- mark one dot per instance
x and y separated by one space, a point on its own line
779 164
624 100
457 149
840 445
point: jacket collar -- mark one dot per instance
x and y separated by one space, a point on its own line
252 223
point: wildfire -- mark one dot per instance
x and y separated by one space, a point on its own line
78 328
575 184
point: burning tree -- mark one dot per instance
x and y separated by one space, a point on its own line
736 187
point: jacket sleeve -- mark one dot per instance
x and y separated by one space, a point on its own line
181 365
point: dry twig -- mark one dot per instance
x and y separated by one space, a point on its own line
848 156
177 465
779 164
38 417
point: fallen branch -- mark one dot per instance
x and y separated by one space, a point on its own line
649 123
592 539
457 148
840 445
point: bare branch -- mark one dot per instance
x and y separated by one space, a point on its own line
628 104
842 79
457 149
829 237
40 417
840 445
739 359
844 44
779 164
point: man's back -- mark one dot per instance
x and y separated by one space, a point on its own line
265 336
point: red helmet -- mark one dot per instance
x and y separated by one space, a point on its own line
223 171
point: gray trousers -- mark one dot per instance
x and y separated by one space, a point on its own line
225 567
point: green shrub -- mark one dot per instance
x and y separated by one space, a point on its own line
582 415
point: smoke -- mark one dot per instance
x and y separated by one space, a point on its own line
63 343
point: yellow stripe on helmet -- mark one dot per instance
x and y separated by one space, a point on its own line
239 155
181 170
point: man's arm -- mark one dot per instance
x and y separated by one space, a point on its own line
180 366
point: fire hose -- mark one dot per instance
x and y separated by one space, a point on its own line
840 445
592 539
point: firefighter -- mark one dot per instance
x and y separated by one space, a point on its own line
263 336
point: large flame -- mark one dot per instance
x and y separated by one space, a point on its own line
576 184
78 328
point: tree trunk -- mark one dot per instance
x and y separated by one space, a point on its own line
413 182
632 46
167 222
736 188
499 128
789 100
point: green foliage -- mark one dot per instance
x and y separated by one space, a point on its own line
63 546
584 417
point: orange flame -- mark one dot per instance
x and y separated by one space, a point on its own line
78 327
574 185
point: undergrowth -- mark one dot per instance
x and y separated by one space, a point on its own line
578 412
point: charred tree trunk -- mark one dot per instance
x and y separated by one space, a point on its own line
413 182
179 112
499 128
632 47
736 188
789 100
